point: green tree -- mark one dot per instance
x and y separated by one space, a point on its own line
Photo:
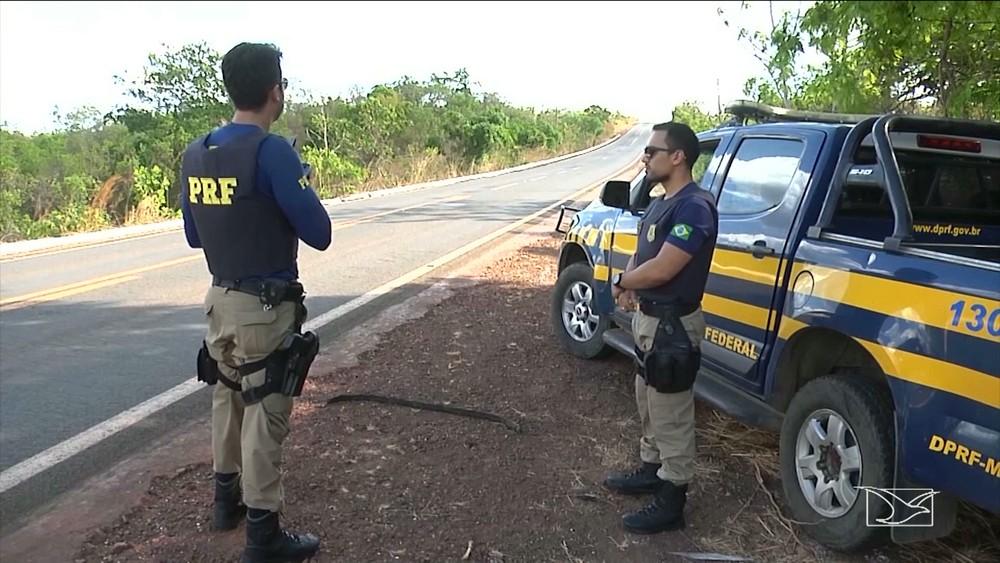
99 170
179 96
690 114
939 57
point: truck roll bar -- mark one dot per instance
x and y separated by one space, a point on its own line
886 173
840 174
893 181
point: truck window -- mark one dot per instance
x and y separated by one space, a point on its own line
705 155
954 199
761 172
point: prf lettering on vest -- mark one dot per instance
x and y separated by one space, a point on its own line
211 191
731 342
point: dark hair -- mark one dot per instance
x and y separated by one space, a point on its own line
680 136
249 71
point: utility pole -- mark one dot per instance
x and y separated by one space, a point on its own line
718 97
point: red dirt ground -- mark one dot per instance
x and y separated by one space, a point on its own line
389 483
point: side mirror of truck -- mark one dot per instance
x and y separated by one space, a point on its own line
616 194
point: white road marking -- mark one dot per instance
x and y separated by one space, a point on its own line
66 449
95 434
504 186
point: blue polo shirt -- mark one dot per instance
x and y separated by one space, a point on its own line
280 175
690 223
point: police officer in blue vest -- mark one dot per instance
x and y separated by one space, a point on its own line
246 200
666 279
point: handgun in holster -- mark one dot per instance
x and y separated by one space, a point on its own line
272 292
286 368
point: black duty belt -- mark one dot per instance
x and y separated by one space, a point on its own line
270 292
666 310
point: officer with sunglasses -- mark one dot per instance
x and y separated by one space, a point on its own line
666 280
247 202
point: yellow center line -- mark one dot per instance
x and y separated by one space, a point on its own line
20 301
53 295
88 285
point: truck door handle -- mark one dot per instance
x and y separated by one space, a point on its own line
759 249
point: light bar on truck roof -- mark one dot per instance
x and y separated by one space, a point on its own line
744 109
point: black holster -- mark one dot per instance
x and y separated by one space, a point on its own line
672 364
286 368
208 369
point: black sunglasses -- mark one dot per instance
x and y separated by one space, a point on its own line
284 84
651 150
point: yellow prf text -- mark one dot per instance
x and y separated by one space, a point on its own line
211 191
966 455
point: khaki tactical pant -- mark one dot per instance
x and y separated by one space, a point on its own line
667 418
248 439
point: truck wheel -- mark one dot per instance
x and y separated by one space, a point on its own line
838 436
577 324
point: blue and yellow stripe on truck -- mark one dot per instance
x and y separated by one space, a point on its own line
619 248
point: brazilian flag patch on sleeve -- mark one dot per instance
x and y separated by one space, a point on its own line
682 231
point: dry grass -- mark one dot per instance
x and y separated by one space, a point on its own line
615 456
759 530
728 451
146 211
415 168
418 167
976 539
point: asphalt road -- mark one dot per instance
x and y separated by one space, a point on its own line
106 327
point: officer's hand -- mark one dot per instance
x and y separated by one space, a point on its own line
626 299
616 292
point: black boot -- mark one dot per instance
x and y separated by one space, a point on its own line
665 513
642 480
229 508
268 543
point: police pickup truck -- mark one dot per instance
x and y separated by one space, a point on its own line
853 305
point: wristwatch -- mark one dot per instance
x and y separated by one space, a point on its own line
617 280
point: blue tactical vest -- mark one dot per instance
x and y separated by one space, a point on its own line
244 233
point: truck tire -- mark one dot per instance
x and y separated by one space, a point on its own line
575 322
839 430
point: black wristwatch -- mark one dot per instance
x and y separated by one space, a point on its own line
617 280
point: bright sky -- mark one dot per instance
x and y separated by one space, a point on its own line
640 58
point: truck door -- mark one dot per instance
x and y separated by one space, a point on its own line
763 178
